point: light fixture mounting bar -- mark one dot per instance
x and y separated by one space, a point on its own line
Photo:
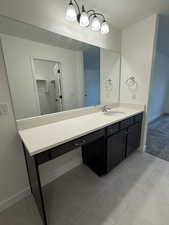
76 5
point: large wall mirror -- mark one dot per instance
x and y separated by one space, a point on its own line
49 73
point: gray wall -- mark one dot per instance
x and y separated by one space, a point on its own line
159 96
12 165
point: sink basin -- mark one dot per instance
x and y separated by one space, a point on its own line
114 113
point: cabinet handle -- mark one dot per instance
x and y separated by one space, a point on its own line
80 143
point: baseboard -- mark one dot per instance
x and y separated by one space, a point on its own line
49 178
142 148
153 120
156 118
14 199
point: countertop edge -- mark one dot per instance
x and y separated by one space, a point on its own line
75 137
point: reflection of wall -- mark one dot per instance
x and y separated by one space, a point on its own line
110 73
80 78
92 76
17 56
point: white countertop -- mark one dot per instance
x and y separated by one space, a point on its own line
41 138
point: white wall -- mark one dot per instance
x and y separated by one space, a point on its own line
158 100
138 42
48 15
18 53
137 56
12 165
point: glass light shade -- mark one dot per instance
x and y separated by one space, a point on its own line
84 19
105 28
95 25
71 13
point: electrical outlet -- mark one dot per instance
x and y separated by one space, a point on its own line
3 109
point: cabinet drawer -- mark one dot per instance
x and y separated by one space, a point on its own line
113 129
126 123
69 146
43 157
138 118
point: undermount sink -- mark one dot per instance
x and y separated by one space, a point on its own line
113 113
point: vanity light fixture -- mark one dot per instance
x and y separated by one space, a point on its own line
84 18
71 12
91 18
95 24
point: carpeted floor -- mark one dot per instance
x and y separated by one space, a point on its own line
158 138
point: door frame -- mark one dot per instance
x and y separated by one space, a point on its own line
32 58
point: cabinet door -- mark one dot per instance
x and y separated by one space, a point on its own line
133 138
115 149
93 155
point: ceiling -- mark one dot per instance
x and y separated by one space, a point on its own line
122 13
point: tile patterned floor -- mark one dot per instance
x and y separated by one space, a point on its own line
158 138
134 193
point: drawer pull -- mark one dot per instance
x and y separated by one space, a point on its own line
80 143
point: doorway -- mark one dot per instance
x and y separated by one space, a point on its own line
48 85
158 110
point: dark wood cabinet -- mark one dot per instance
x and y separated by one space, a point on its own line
119 141
133 138
102 150
93 155
116 145
122 139
112 129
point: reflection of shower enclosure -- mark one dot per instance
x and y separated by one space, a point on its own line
47 75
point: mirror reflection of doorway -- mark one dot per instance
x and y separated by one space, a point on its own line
48 82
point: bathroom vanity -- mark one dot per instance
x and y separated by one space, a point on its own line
59 87
105 141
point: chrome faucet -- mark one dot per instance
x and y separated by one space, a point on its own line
107 108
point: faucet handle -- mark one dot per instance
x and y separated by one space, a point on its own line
106 108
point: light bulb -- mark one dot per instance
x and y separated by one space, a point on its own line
105 28
95 25
84 19
71 12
